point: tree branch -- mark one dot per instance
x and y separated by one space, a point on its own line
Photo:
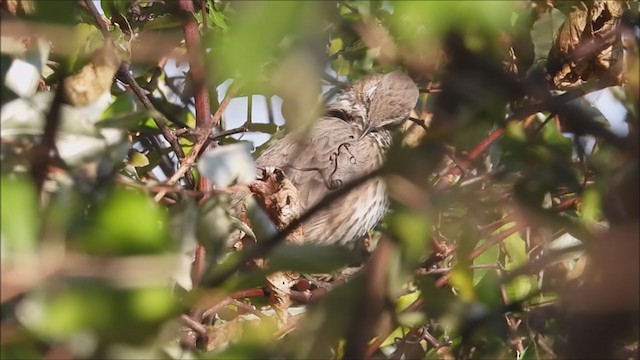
125 75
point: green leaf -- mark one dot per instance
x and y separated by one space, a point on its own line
439 299
544 32
488 290
428 20
127 223
310 258
341 66
515 131
520 287
138 120
552 136
123 104
489 257
398 333
590 206
137 159
151 304
126 315
405 300
335 45
217 17
462 279
20 219
515 247
413 230
214 225
412 318
154 157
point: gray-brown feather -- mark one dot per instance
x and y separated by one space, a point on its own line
332 154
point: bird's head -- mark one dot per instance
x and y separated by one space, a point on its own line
377 101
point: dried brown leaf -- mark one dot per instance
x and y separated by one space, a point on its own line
588 45
282 203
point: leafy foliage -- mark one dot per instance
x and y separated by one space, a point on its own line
506 237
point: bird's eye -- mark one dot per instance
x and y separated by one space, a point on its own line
339 113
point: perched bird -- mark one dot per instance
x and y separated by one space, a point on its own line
350 140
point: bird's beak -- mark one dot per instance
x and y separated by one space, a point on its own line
366 131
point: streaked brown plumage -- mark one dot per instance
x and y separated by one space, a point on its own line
348 142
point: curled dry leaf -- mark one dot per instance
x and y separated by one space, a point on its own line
280 199
588 45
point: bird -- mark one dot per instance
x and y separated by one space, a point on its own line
350 140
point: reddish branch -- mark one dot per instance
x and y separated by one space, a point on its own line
549 104
196 65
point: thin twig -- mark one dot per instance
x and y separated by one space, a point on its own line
203 135
125 74
193 325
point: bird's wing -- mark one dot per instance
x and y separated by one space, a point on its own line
311 164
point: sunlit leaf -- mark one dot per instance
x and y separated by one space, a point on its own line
413 230
590 206
462 279
128 315
515 246
488 258
123 103
20 220
217 17
520 287
138 159
128 222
